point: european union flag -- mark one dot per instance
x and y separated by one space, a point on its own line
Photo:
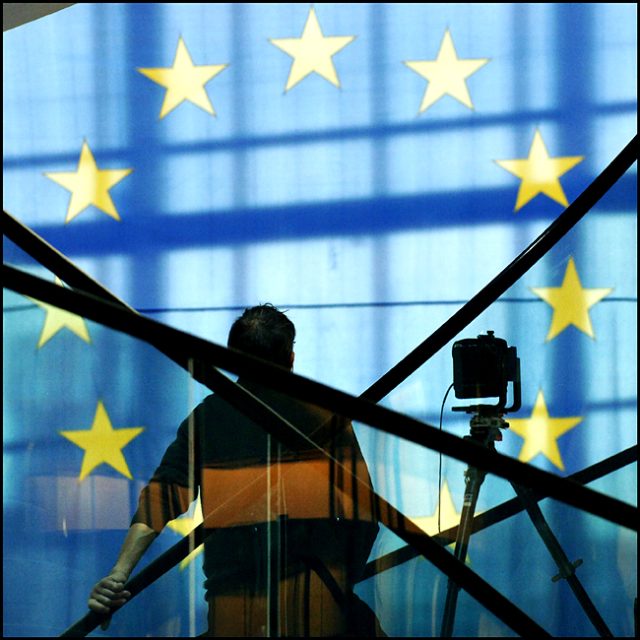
369 167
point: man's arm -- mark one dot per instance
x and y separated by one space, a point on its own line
108 593
163 499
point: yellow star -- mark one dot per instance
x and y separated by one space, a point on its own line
103 443
540 433
184 525
449 517
540 173
89 185
312 52
58 319
570 302
184 81
446 74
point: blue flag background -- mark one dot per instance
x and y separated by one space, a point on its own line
368 167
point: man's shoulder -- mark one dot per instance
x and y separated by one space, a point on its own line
277 399
303 414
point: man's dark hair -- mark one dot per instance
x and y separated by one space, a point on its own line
265 332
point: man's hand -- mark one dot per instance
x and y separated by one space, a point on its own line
109 594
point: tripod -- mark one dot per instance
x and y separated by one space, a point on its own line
485 427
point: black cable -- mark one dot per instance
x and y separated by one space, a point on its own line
440 456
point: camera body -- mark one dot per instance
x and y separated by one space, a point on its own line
483 367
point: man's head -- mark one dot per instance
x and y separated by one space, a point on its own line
265 332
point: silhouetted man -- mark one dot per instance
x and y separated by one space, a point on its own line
291 528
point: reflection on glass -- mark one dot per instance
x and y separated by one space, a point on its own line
371 223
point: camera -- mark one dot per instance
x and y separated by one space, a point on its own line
483 367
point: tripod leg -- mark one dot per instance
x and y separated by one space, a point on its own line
567 569
474 478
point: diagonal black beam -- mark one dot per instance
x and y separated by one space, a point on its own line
57 263
286 433
508 277
48 256
280 379
477 587
475 306
52 258
500 512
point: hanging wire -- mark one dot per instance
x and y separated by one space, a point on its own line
440 457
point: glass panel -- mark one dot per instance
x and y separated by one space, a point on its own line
371 223
285 515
